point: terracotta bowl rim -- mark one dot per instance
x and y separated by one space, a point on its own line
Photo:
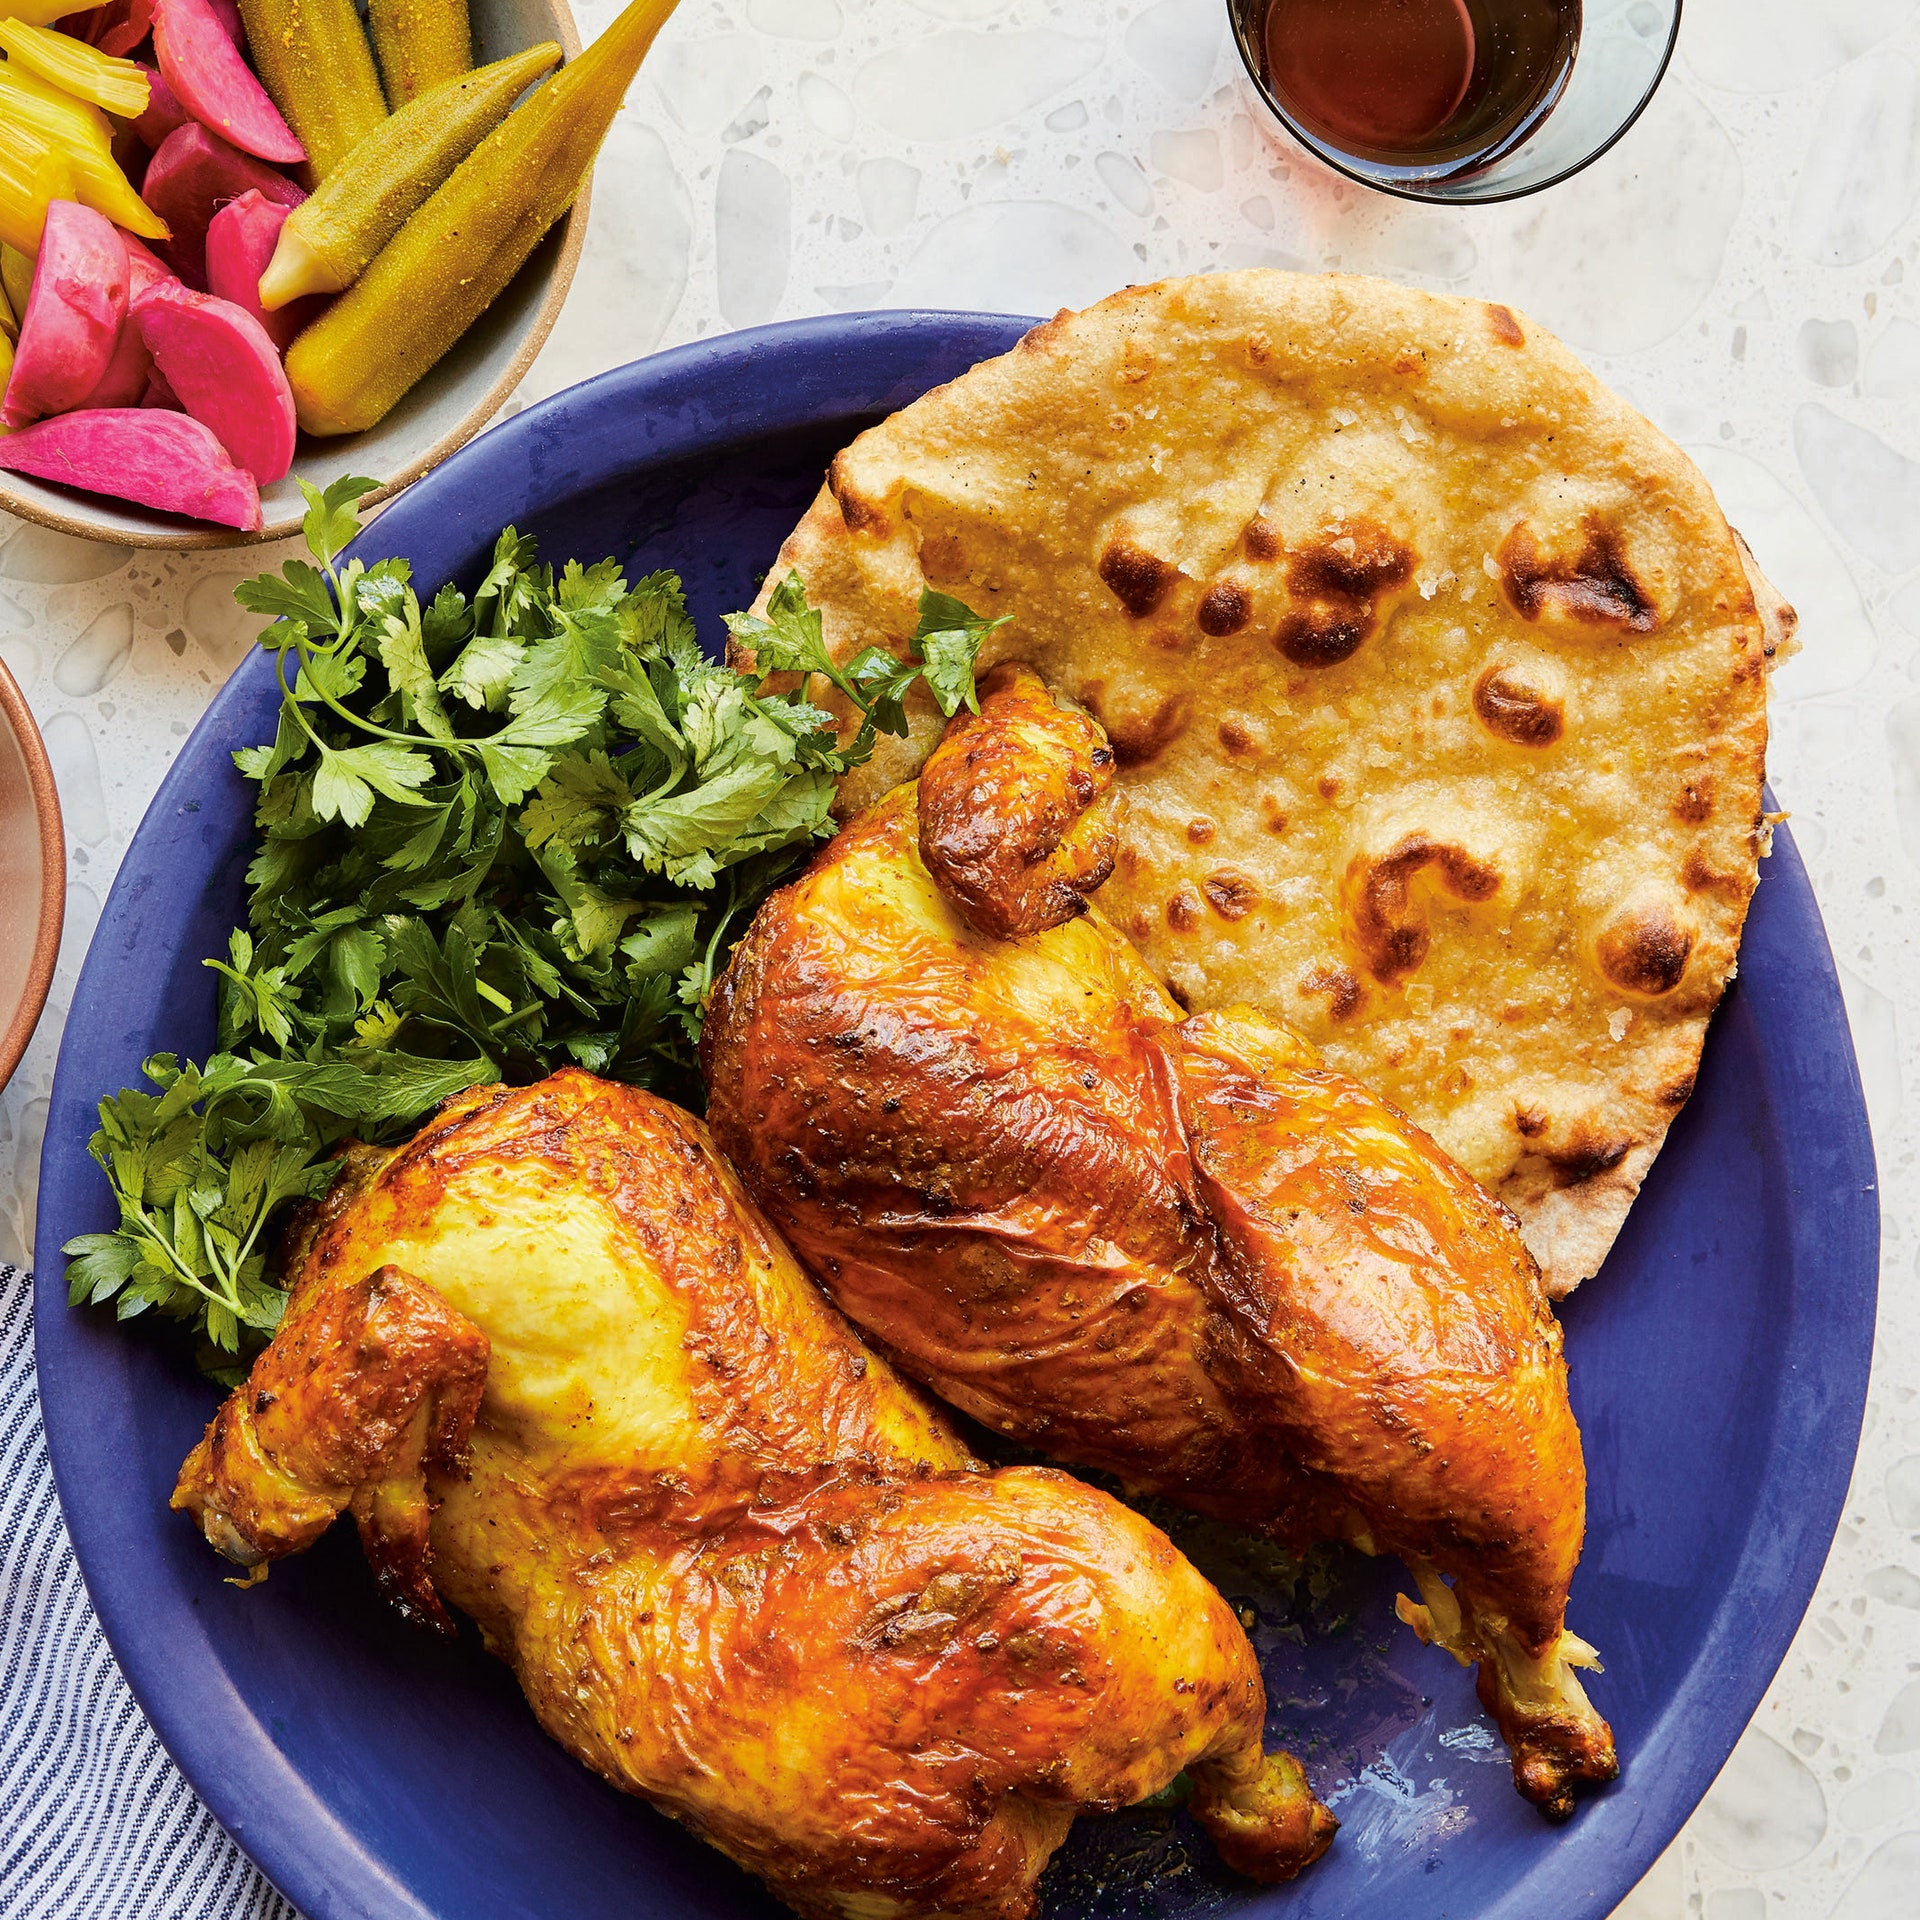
53 875
190 538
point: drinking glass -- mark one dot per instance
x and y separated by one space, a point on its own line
1625 46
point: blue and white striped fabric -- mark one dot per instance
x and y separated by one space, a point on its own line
95 1821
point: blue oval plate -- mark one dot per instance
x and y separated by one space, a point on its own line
1719 1362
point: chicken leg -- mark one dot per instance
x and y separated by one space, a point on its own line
1179 1250
557 1367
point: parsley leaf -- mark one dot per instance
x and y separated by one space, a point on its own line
498 835
941 652
484 669
331 521
947 643
348 777
790 639
403 652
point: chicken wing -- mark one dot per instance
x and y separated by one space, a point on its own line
555 1364
1177 1249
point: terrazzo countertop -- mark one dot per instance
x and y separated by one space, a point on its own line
1745 267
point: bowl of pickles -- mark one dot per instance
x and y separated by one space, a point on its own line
250 244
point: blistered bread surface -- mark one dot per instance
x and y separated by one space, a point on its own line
1435 680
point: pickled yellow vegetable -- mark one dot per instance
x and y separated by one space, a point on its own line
31 173
9 326
312 57
6 371
328 239
421 44
118 86
16 273
74 124
38 12
44 115
446 266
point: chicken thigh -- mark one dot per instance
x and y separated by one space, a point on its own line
1176 1249
564 1377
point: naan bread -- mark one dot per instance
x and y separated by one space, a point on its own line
1434 673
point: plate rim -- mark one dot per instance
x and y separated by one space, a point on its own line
317 1860
24 731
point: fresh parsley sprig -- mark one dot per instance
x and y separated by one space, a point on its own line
499 833
942 653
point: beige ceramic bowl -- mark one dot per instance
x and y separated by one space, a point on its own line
442 413
33 875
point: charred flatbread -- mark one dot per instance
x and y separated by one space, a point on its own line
1435 675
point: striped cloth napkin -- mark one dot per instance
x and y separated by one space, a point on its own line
98 1823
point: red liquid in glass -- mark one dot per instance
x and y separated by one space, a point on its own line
1373 73
1420 82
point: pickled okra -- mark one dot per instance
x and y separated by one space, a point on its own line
446 266
421 45
328 240
312 56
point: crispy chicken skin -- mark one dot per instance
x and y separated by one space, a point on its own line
739 1565
1016 825
1177 1249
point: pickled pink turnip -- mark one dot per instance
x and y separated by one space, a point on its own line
217 358
194 173
116 28
164 460
240 242
164 112
124 384
214 83
73 314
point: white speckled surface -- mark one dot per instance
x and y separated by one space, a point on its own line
1745 267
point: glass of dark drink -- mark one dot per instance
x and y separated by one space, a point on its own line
1463 100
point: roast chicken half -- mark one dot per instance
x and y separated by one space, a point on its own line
1177 1249
557 1367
